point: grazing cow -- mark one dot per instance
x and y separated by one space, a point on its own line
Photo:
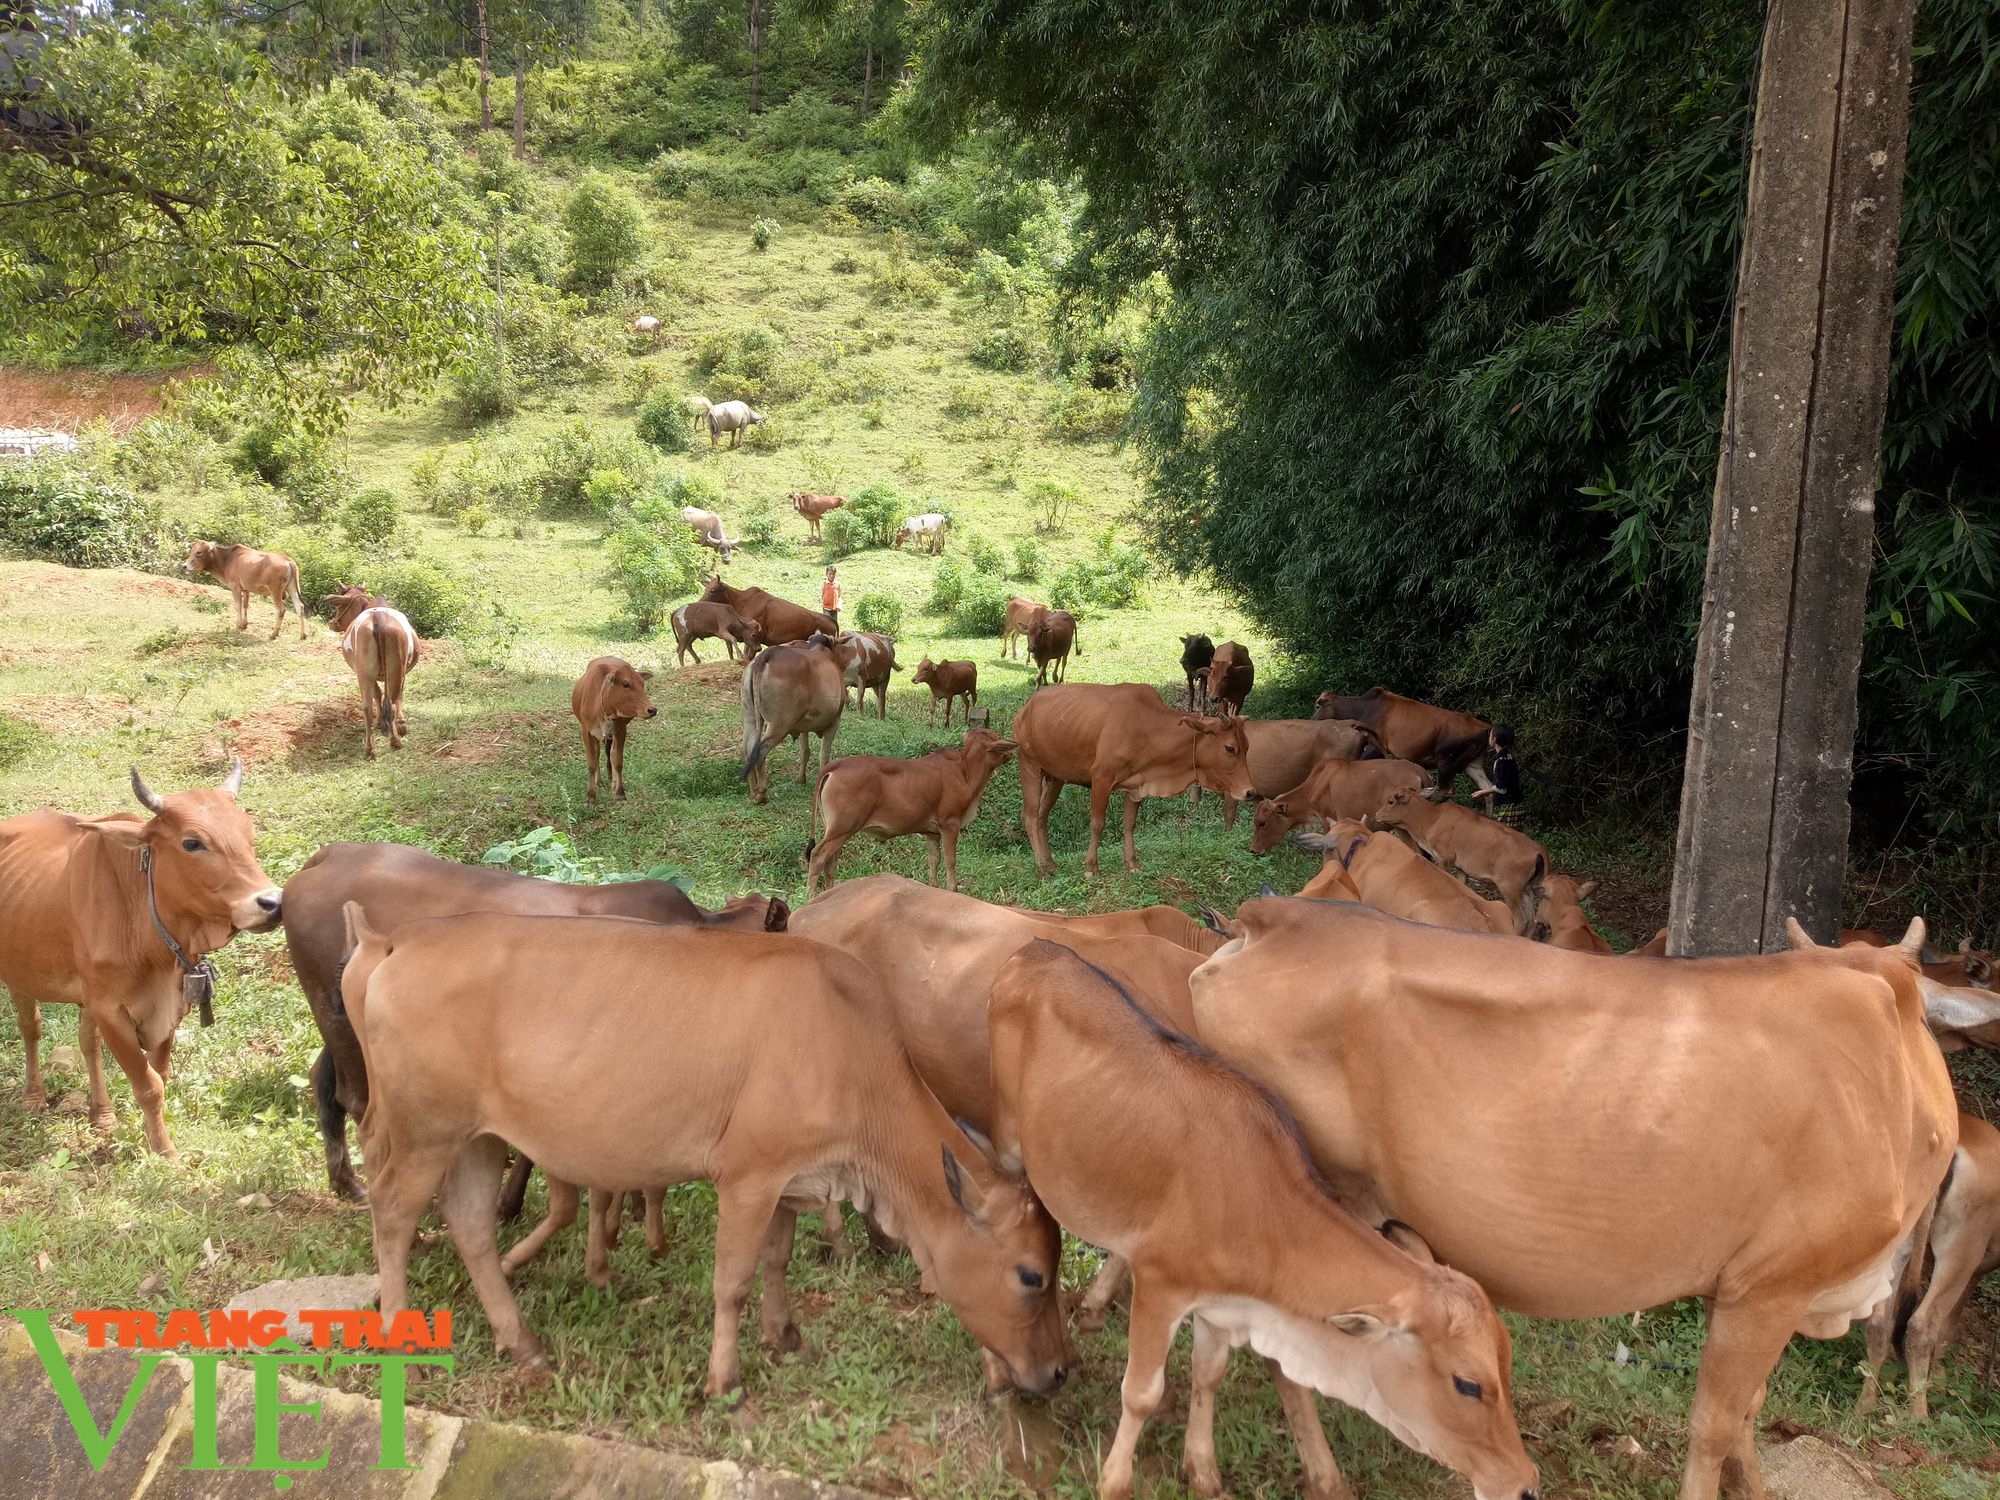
417 885
866 660
707 528
609 695
1561 921
1332 790
1393 877
1145 1142
1197 652
732 417
1439 739
815 508
948 680
1964 1236
1117 738
346 606
1231 675
780 620
927 529
703 621
774 1078
1050 641
935 795
1473 844
790 692
1585 1135
1021 613
381 646
646 324
698 409
1283 753
113 914
245 571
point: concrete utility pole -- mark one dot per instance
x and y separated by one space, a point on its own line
1764 815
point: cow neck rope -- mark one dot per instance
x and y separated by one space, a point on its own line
197 980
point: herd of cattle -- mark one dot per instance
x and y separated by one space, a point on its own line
1341 1128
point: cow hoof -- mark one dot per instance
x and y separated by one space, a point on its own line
1090 1320
621 796
531 1359
105 1119
37 1100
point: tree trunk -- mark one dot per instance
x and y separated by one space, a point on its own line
867 76
1764 813
520 104
756 51
485 77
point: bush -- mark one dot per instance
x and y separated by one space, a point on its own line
761 232
481 392
664 421
947 586
317 485
1075 589
1029 559
1114 577
371 519
609 489
652 565
564 460
1008 347
475 519
427 481
986 556
968 400
875 413
325 567
842 532
606 231
436 603
881 614
1083 414
158 451
244 516
1054 503
56 512
763 529
265 451
981 608
880 508
673 492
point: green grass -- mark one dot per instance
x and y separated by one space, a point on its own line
101 669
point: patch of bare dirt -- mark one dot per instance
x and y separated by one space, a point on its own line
69 713
495 737
713 674
171 588
276 733
66 401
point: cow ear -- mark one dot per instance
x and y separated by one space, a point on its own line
1406 1239
125 831
1361 1324
645 676
965 1192
1585 889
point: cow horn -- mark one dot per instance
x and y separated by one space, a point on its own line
1211 919
233 782
149 799
1912 945
1797 936
1268 890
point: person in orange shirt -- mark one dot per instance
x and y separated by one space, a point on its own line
829 597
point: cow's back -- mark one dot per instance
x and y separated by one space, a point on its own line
1074 729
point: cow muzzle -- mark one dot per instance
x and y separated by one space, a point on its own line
258 913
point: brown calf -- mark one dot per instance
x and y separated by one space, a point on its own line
1050 641
1333 789
245 571
1392 877
777 1078
790 692
1021 613
1147 1143
1473 844
813 509
702 621
1439 739
381 646
935 795
948 680
609 695
866 660
1231 675
109 914
780 620
1283 753
1561 921
1117 738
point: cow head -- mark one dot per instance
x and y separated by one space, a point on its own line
201 558
1327 705
926 672
207 883
1559 914
1003 1276
623 693
984 749
1221 754
718 592
1395 813
1275 817
348 605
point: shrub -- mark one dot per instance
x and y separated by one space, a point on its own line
968 401
371 519
900 279
245 516
17 738
875 413
652 565
947 586
914 464
1075 589
266 452
664 421
763 529
880 508
640 380
158 450
56 512
986 556
844 264
1008 347
475 519
842 532
981 608
608 489
1029 559
481 392
436 603
325 567
606 231
879 613
1054 503
427 481
874 201
761 232
563 462
1082 414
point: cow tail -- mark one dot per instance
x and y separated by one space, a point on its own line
298 604
753 744
393 664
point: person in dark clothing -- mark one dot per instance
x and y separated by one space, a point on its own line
1506 805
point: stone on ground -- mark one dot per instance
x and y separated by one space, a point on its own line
1808 1468
308 1293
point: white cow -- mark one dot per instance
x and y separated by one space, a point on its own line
731 417
926 528
649 327
708 530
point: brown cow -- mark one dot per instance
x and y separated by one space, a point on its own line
1586 1135
609 695
1283 753
1332 883
245 571
416 884
1439 739
1231 675
1145 1142
948 680
790 692
703 621
381 646
815 508
1332 790
757 1061
866 660
110 914
1168 922
1561 921
1021 613
1117 738
1473 844
1393 877
1050 641
780 620
935 795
